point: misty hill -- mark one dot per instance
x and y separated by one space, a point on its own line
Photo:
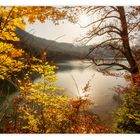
57 50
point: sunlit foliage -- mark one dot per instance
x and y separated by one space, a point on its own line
10 18
41 109
38 108
127 116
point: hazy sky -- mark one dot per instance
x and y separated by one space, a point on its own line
51 31
67 30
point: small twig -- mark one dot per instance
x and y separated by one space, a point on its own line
59 37
6 22
75 84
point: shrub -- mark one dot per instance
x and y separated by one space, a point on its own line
127 116
39 109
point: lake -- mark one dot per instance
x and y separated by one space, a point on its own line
73 75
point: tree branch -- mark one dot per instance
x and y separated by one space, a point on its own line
119 49
92 49
6 22
114 8
95 9
109 31
101 19
16 43
90 36
136 24
112 64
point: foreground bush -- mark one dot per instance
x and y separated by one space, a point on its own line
51 113
40 109
127 117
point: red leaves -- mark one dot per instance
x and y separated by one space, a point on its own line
82 121
121 89
136 79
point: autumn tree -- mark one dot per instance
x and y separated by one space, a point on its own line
38 108
12 59
115 27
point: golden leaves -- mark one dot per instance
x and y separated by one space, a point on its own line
8 64
10 18
40 13
40 110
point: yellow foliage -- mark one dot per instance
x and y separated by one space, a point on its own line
8 65
13 60
10 18
38 108
41 111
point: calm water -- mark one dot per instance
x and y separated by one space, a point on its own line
72 73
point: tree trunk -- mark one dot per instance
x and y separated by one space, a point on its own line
134 70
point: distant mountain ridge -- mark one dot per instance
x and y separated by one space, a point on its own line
57 50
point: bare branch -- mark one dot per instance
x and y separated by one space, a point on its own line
76 85
136 24
114 8
119 49
112 64
95 9
92 49
89 37
101 19
109 31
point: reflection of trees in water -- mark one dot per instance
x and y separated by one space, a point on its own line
81 65
75 65
68 67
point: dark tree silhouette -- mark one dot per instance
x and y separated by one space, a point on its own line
116 26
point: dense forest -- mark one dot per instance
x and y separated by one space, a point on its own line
28 105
